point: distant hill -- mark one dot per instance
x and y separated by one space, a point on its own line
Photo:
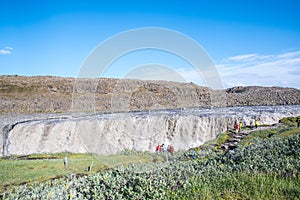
39 94
268 96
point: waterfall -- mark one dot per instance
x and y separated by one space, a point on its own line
111 133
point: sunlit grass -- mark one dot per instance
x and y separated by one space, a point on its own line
40 167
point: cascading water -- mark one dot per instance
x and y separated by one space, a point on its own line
111 133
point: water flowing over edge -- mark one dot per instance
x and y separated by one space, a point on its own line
109 133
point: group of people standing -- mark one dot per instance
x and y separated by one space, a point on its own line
164 148
238 125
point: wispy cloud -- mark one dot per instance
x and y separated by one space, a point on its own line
241 57
267 70
6 51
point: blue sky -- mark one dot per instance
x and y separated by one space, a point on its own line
251 42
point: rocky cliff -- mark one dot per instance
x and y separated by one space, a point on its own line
19 94
268 96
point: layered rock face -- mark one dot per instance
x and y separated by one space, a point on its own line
54 94
112 133
20 94
264 96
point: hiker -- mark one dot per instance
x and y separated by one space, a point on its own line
236 128
157 148
240 126
256 123
193 154
171 149
244 122
66 161
252 122
298 122
160 148
164 148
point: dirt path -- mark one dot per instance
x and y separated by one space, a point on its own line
235 138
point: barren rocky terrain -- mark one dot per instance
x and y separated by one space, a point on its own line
44 94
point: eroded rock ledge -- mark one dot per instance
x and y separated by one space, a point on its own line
43 94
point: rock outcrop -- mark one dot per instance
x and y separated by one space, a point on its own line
263 96
44 94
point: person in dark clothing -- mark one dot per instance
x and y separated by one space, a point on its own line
66 161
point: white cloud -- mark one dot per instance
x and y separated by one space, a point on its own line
289 54
6 50
266 70
241 57
243 70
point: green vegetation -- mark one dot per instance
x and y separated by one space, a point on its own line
289 128
220 139
290 121
237 185
16 170
264 134
266 166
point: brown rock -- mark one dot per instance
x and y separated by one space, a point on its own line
38 94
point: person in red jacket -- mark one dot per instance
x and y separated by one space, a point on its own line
160 148
157 148
171 149
236 128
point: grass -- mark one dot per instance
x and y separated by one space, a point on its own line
280 132
239 185
10 89
290 121
41 167
220 139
